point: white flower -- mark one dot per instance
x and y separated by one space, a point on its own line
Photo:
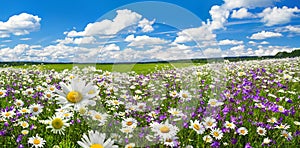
24 124
229 125
198 127
174 94
184 95
58 125
282 126
102 118
130 145
129 123
175 112
242 131
216 133
214 102
96 140
8 114
261 131
209 122
2 93
296 122
164 130
272 120
35 109
76 94
207 139
286 135
36 141
266 141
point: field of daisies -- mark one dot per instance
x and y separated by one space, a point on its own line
225 104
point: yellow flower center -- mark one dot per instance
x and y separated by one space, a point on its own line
35 109
216 134
36 141
184 95
7 114
48 95
209 123
229 124
98 117
243 131
74 97
196 126
285 135
96 146
24 110
164 129
1 93
129 123
52 88
261 131
24 124
213 103
91 92
169 140
57 123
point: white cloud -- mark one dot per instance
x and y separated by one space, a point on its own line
230 42
237 48
265 34
85 40
202 33
231 4
25 39
111 47
289 28
212 52
241 13
271 50
146 25
140 41
219 16
124 18
19 25
256 43
276 16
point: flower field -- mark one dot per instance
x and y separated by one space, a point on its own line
228 104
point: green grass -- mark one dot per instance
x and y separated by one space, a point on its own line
138 68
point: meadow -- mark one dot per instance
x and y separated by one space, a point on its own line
225 104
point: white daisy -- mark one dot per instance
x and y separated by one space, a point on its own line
209 122
214 102
24 124
175 112
174 94
282 126
19 103
58 125
266 140
76 94
35 109
96 140
198 127
229 125
242 131
272 120
102 118
261 131
184 95
216 133
207 139
7 114
129 123
2 93
36 141
130 145
164 130
286 135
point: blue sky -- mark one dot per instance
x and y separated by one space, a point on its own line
120 31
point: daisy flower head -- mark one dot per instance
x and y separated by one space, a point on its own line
35 109
267 140
58 125
207 139
282 126
130 145
286 135
164 130
216 133
76 94
94 139
24 124
209 122
2 93
129 122
272 120
19 103
175 112
174 94
242 131
214 102
229 125
184 95
36 141
102 118
8 114
261 131
198 127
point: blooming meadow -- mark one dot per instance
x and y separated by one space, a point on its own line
225 104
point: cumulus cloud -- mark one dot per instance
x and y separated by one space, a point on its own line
199 34
21 24
219 16
241 13
237 48
124 18
111 47
230 42
231 4
289 28
265 34
276 16
141 41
